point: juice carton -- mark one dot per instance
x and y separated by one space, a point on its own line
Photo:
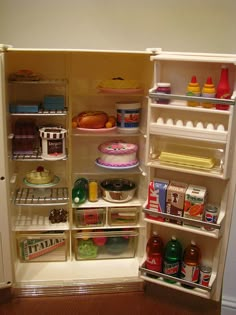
175 200
195 199
157 197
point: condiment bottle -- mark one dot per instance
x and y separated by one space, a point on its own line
80 191
208 91
164 88
93 191
190 267
193 89
223 88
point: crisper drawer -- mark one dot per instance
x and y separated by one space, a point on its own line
123 216
90 217
111 244
42 247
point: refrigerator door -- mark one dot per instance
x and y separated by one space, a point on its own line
193 145
5 244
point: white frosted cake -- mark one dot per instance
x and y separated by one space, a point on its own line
39 176
118 154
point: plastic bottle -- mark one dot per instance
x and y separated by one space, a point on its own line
190 267
193 89
172 259
223 88
80 191
154 250
209 91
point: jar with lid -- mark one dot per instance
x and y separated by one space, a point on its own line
164 88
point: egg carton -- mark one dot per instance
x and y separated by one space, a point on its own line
189 129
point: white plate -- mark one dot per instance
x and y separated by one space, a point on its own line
116 167
51 184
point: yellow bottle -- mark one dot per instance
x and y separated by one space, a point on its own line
193 89
208 91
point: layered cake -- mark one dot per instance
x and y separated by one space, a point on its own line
39 176
117 154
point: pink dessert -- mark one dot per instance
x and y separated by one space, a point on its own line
118 154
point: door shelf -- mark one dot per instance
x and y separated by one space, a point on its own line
198 289
41 196
214 172
185 98
189 133
196 227
44 112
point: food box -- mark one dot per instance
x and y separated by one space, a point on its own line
123 216
109 244
54 102
195 199
89 217
42 247
175 200
24 108
25 139
157 197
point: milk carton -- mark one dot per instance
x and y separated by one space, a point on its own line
195 199
157 197
175 200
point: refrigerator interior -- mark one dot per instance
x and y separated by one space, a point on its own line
76 75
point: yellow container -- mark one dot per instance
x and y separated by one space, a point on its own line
193 89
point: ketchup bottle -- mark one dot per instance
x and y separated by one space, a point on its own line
223 88
154 252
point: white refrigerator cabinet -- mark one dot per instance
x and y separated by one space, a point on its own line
74 76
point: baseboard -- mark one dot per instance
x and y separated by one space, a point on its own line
228 306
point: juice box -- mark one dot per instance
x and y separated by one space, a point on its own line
157 197
175 200
195 199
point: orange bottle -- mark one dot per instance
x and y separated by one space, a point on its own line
190 267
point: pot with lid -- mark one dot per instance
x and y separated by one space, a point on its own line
117 190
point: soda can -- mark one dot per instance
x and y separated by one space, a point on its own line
210 216
205 275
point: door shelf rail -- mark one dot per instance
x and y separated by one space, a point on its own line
159 277
37 156
153 95
194 226
41 196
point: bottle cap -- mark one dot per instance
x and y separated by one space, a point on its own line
163 84
76 199
194 79
193 242
209 81
173 238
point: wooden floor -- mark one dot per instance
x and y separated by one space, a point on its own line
155 300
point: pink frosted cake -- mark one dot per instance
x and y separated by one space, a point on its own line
117 154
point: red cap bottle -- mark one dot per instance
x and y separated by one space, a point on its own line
223 88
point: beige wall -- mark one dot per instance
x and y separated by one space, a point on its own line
184 25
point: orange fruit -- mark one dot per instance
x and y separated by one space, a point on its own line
196 209
112 119
74 124
109 125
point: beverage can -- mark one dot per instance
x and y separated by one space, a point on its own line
211 215
205 275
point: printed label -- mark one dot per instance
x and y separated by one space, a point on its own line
55 147
154 263
128 118
190 273
171 268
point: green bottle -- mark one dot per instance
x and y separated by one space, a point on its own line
172 259
80 191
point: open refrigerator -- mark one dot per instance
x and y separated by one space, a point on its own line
75 75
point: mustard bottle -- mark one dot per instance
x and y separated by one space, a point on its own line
193 89
208 91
